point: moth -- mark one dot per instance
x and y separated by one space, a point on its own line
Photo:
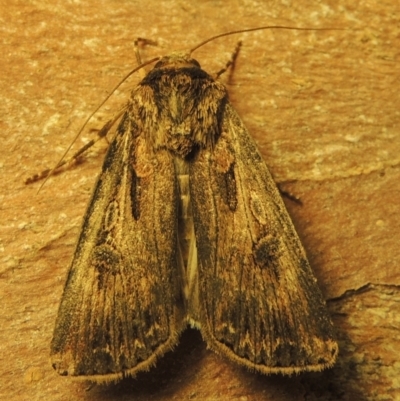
187 227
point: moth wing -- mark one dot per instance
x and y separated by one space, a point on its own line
259 304
121 306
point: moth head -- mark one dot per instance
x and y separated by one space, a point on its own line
177 60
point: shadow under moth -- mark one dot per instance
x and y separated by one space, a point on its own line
186 226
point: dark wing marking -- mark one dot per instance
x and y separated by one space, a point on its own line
122 307
259 303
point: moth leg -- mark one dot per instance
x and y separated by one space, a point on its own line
75 157
140 43
289 195
231 63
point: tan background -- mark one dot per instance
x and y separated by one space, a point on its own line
324 108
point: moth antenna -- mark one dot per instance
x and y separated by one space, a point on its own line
93 113
260 28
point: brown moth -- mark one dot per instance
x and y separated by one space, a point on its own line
186 226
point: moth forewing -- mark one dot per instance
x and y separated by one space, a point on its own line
186 225
121 307
259 302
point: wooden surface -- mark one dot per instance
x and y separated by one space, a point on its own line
324 108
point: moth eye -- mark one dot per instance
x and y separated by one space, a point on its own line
195 62
159 64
